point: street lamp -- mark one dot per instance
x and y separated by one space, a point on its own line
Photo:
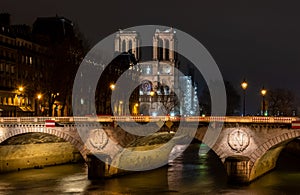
37 105
21 88
151 95
51 103
112 86
135 109
115 106
244 86
120 107
263 93
19 95
39 96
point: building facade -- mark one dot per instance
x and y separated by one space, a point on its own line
33 65
22 65
158 77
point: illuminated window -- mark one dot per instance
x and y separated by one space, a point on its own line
147 69
130 44
123 46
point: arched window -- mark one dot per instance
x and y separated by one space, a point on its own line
130 45
167 51
123 46
160 49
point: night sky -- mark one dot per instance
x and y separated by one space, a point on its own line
256 39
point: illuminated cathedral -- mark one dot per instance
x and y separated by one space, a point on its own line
163 90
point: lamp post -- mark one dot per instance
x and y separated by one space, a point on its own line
135 108
39 97
151 95
21 90
51 102
115 107
120 107
244 86
263 93
112 86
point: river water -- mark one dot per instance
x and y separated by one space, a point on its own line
190 173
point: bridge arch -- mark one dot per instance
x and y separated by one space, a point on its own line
14 130
200 135
265 157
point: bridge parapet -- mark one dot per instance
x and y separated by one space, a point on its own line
226 119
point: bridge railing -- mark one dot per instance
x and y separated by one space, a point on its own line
226 119
247 119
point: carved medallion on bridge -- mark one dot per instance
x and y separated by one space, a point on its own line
238 140
98 138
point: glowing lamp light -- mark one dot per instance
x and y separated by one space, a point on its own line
263 92
244 85
21 88
112 86
39 96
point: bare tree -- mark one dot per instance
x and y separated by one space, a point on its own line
169 103
281 102
66 56
110 75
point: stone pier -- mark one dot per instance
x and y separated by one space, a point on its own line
238 169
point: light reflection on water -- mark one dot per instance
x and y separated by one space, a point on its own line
188 174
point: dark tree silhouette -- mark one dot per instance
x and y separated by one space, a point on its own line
281 102
233 100
169 102
66 56
110 75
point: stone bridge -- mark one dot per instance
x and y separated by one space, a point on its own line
247 146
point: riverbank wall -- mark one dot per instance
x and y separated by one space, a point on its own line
26 156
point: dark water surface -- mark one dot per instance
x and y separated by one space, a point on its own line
190 173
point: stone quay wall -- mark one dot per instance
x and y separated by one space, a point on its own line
18 157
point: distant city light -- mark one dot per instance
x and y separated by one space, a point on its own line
21 88
112 86
263 92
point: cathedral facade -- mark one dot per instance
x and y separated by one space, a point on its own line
160 91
